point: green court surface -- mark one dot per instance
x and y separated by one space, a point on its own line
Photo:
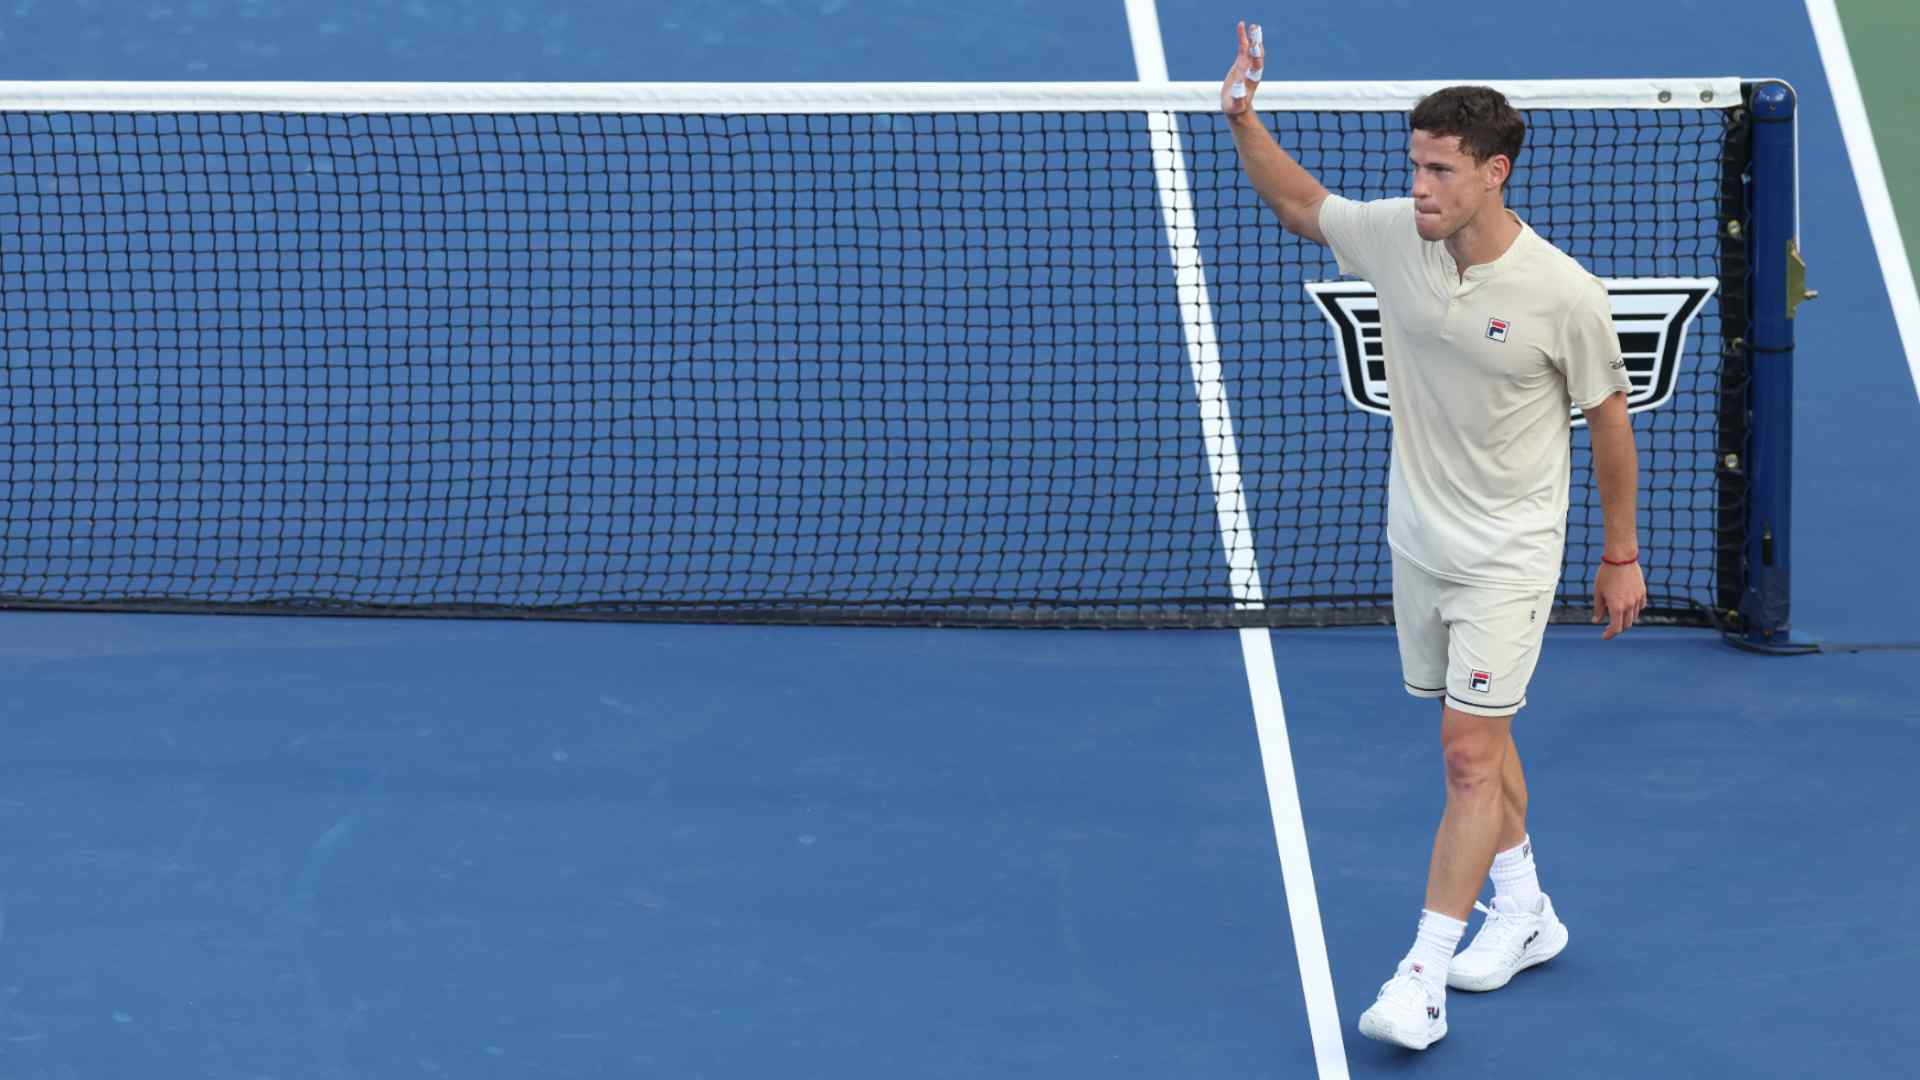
1884 37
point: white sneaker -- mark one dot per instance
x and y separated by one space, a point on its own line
1510 941
1407 1013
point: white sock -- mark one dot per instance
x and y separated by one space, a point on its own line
1514 877
1433 945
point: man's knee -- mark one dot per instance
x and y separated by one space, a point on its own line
1475 751
1471 767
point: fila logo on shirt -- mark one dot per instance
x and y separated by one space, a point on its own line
1481 681
1651 316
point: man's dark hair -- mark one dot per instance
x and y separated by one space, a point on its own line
1479 116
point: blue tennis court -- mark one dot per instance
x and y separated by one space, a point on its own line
359 847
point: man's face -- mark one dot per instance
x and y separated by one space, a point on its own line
1449 187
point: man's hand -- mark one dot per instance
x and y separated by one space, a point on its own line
1236 93
1619 595
1281 183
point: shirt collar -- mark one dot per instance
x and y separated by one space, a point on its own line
1502 262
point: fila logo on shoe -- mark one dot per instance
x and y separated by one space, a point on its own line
1530 938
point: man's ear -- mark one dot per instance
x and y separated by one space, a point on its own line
1499 167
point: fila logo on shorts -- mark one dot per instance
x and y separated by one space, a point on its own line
1481 682
1496 329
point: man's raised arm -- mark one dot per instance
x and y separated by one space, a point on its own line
1290 190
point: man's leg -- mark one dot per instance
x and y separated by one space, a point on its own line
1521 929
1513 871
1513 789
1476 750
1411 1007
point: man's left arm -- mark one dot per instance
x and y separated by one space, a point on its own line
1619 588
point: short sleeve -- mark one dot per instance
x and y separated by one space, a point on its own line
1362 234
1589 349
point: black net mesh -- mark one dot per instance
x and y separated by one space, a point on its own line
908 368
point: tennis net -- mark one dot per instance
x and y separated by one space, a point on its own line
926 354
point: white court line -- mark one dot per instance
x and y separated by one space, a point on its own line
1236 532
1870 177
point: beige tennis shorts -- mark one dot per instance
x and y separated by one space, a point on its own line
1474 645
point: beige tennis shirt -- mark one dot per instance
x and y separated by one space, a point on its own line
1482 376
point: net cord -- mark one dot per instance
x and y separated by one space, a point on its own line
802 98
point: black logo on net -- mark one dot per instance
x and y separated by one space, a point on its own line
1650 315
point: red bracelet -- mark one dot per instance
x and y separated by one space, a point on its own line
1620 562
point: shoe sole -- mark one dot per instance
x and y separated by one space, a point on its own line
1480 985
1385 1032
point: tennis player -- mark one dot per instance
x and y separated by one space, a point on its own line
1492 336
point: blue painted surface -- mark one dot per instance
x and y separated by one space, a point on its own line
332 848
342 848
1693 809
586 41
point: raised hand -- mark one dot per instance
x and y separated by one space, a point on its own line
1249 64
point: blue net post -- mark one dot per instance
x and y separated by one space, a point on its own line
1779 284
